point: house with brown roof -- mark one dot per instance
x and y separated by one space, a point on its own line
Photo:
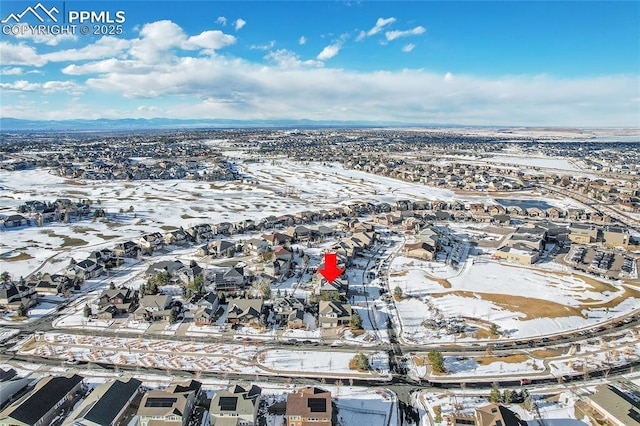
497 415
420 250
309 406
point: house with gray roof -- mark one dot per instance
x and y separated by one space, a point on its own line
106 405
41 406
235 406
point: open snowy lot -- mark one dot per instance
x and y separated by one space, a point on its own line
522 301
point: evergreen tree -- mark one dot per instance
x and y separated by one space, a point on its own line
356 321
359 362
437 361
495 396
22 310
87 311
397 293
493 329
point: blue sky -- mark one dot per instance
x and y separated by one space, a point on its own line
483 63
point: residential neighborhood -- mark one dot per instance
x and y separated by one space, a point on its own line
220 285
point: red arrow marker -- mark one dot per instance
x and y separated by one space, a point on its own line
331 270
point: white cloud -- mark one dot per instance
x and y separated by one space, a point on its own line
214 40
49 39
69 87
392 35
221 20
235 88
148 109
408 47
266 46
20 86
288 59
192 85
104 47
48 87
329 51
333 49
240 23
11 71
379 26
302 40
19 54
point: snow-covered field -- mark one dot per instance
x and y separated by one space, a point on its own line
542 162
305 362
522 301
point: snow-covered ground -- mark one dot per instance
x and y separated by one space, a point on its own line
482 288
309 361
222 358
532 161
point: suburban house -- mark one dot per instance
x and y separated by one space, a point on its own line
246 312
203 308
41 406
236 406
178 237
170 407
493 414
87 269
420 250
223 228
229 279
277 267
169 266
122 299
333 314
12 295
155 307
276 238
284 306
104 257
295 319
126 249
11 387
15 220
188 274
609 406
218 248
256 246
200 233
51 284
151 241
309 405
106 405
339 286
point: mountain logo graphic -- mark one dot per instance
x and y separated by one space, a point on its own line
39 11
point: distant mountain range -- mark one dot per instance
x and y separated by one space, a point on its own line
15 124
